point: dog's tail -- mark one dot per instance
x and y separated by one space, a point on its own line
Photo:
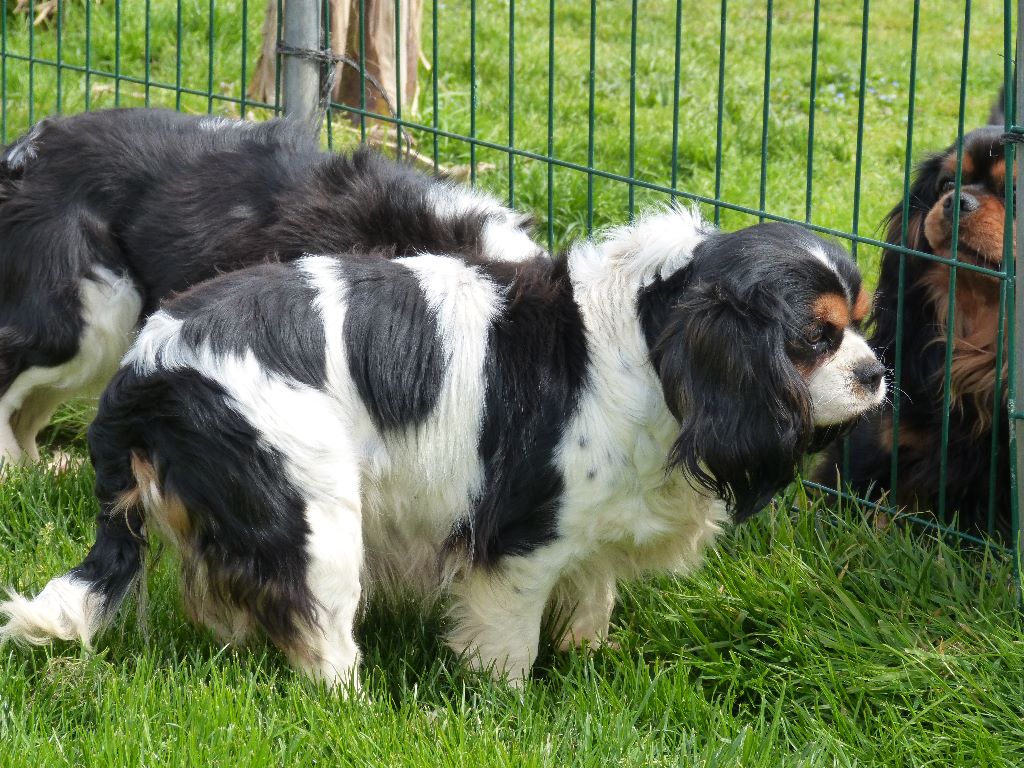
83 601
80 603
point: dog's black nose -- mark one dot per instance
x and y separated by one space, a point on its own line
869 374
968 204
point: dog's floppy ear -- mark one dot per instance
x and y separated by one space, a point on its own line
922 197
744 412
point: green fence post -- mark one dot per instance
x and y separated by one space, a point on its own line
1017 339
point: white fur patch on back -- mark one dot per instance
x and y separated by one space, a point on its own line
24 151
155 340
110 314
504 238
657 244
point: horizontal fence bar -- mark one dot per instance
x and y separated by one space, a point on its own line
655 187
909 517
173 87
478 142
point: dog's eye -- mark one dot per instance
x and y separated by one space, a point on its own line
946 185
816 337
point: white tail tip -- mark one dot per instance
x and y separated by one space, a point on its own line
64 610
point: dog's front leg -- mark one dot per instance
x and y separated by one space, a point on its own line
10 450
581 608
496 614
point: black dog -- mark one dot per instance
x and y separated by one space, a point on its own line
104 214
973 408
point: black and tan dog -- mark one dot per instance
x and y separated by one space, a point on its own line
974 409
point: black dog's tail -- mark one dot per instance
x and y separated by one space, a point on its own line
82 602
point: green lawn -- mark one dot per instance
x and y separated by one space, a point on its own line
811 638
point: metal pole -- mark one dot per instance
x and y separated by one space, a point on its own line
1018 302
300 85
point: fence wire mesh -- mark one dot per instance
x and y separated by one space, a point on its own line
584 112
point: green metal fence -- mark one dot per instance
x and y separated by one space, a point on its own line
585 111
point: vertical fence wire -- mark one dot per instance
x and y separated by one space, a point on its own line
434 69
812 105
362 70
1006 321
632 111
472 92
3 78
210 40
859 161
721 111
591 94
177 58
1013 268
328 44
148 51
676 75
60 56
511 102
901 279
941 511
117 54
766 108
244 90
31 59
399 35
551 126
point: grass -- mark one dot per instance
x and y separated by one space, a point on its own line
811 637
808 639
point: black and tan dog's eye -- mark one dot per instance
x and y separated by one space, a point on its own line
945 185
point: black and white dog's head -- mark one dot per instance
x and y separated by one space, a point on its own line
757 347
519 432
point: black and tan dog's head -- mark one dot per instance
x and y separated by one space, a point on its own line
977 217
980 209
941 423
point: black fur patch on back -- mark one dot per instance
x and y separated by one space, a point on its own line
267 309
391 340
535 369
365 201
164 198
246 519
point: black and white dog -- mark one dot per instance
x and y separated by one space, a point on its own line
104 214
515 435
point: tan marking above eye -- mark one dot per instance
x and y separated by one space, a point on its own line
832 308
998 172
861 306
967 167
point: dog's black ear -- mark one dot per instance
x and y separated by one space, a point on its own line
744 412
923 195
